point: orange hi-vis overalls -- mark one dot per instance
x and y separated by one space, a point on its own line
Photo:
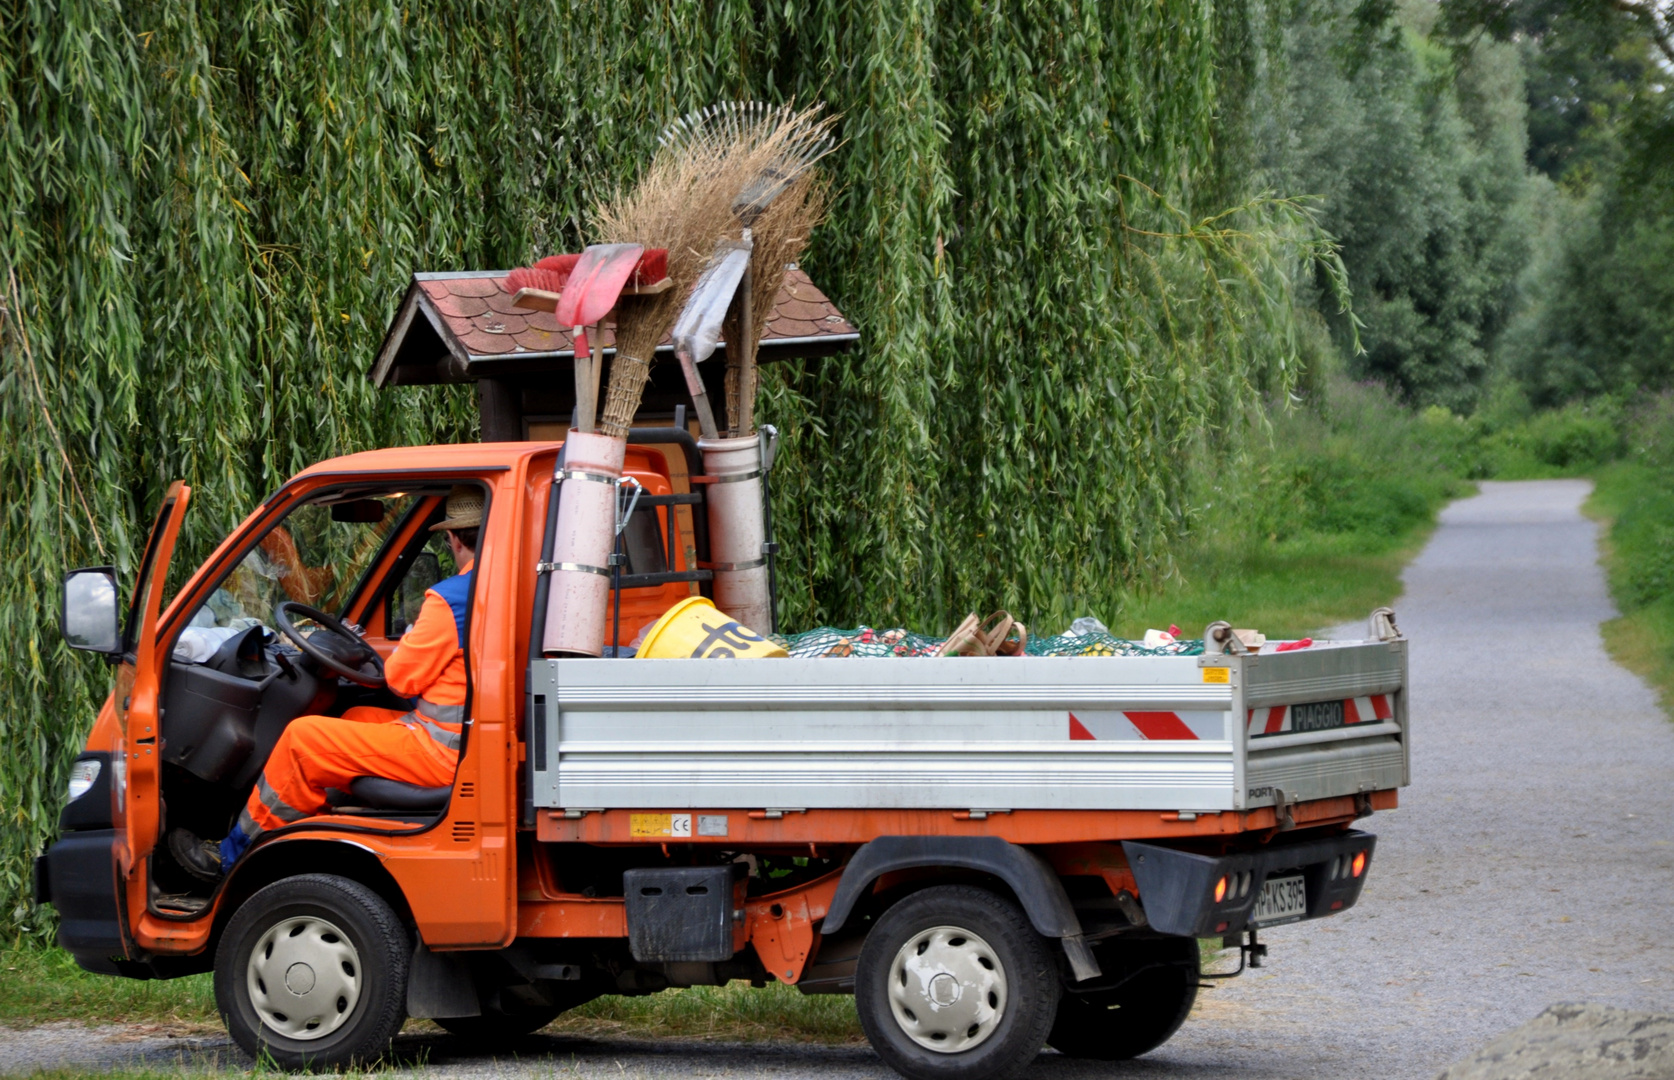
419 747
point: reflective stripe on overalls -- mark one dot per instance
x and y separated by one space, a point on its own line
430 717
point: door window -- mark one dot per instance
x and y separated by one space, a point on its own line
434 563
315 556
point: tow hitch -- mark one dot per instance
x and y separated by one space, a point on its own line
1250 954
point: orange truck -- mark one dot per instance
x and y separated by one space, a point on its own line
990 854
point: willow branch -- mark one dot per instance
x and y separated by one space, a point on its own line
46 410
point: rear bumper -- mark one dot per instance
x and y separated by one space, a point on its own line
78 876
1177 888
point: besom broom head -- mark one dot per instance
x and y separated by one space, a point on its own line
712 170
778 199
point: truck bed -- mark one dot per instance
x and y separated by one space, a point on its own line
1195 734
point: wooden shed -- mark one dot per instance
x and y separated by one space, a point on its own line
461 327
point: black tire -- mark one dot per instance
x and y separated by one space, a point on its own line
1137 1016
957 927
355 952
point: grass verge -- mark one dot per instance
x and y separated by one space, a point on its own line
1634 498
39 985
1312 530
736 1012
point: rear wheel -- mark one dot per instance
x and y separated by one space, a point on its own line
1138 1015
954 984
312 971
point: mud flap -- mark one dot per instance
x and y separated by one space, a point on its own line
440 986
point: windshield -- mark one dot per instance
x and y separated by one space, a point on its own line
315 556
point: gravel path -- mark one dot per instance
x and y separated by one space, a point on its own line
1532 862
1533 859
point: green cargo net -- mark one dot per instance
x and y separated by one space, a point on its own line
866 641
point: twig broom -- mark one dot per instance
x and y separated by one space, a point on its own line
716 174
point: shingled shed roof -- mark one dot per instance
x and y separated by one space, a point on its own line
462 327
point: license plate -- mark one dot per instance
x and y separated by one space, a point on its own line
1282 899
1316 716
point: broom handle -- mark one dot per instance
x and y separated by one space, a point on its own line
582 348
747 355
586 381
700 397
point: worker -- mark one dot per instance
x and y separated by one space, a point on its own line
419 747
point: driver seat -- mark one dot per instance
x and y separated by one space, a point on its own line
379 793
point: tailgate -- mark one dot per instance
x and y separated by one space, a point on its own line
1321 722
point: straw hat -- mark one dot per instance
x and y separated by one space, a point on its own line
464 509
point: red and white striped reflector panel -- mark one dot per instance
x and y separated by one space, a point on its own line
1100 726
1319 715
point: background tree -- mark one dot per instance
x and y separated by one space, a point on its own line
1599 317
1417 157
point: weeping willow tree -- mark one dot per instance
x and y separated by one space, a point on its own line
210 208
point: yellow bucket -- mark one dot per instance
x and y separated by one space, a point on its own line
696 629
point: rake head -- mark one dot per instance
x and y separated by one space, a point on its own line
790 141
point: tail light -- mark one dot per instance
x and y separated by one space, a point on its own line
1358 867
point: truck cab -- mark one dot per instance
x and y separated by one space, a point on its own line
989 854
206 682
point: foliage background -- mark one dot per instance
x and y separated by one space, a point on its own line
1067 286
1416 152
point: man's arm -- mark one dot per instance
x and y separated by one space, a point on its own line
425 650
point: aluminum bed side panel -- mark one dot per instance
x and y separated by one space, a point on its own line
899 778
886 733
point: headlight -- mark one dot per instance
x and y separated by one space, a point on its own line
82 776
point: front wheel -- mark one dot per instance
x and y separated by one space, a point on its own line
954 984
312 971
1156 986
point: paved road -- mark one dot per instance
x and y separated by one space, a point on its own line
1532 863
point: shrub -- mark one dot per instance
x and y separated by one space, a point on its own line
1515 443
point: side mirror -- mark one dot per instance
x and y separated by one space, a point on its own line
90 619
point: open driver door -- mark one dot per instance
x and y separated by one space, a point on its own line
138 687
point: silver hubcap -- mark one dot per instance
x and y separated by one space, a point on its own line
304 978
947 989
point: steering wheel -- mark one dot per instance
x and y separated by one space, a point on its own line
360 653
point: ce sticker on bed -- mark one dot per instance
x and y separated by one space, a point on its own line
659 825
